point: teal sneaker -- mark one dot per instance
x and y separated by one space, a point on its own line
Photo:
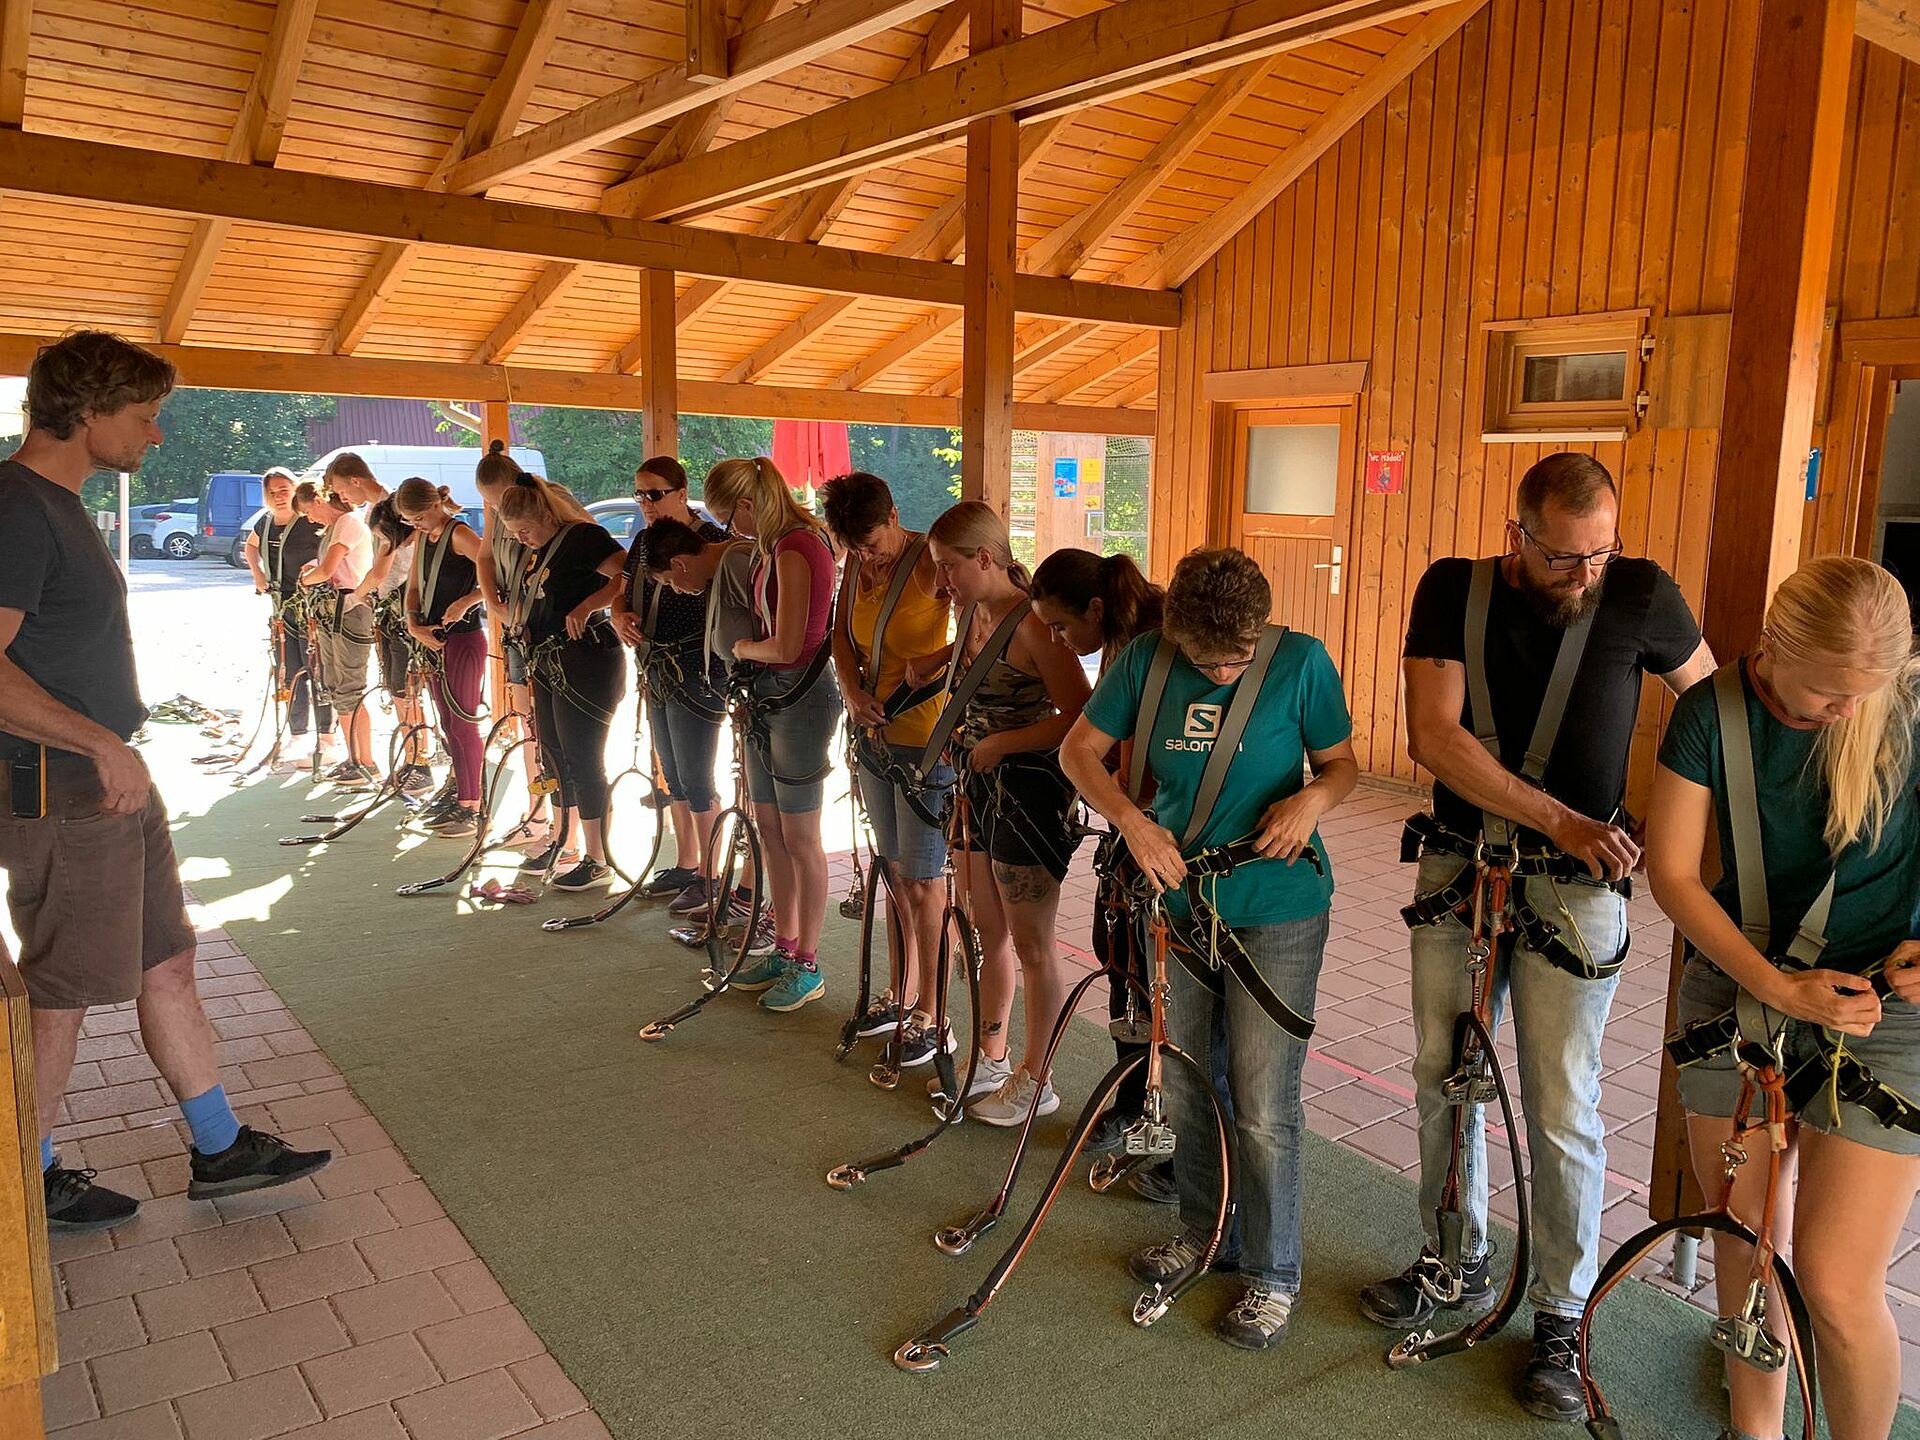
797 986
760 971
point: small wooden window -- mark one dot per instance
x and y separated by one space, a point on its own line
1571 379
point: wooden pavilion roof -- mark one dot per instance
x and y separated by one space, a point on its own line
1130 178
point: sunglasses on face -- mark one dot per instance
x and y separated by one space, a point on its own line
653 497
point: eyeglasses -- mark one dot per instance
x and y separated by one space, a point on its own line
1217 667
1599 559
652 496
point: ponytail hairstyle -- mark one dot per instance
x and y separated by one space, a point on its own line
530 496
1130 604
776 514
495 470
973 526
420 497
1843 611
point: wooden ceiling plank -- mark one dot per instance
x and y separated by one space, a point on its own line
1097 369
1135 45
82 170
16 26
1176 261
553 285
1891 24
1136 390
782 44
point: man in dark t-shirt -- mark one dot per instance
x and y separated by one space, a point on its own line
1563 567
92 883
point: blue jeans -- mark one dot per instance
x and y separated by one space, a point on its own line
686 742
1255 1068
1558 1019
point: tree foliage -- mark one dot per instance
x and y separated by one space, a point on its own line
208 431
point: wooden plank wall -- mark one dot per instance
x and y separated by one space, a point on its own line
1502 180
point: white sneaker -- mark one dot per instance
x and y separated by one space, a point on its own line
989 1075
1008 1105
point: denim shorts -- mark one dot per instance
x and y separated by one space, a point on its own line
918 850
796 741
686 742
1891 1052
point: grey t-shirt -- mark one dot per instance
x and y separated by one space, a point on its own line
732 601
74 642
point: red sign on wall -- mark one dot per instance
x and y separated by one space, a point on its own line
1386 472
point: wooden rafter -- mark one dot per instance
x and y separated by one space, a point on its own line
1133 46
1133 348
282 371
116 175
1891 24
497 113
799 38
1135 391
16 26
1032 345
940 236
256 137
707 58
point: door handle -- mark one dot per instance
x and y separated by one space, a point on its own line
1335 566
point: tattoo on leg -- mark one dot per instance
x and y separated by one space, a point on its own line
991 1028
1023 884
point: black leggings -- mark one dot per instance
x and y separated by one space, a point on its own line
293 661
1118 945
572 712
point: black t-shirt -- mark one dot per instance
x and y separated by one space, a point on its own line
1643 626
571 564
680 624
284 549
74 640
455 578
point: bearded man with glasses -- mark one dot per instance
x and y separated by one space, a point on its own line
1549 796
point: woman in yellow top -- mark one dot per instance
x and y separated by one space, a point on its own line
871 664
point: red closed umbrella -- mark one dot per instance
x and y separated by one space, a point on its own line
811 452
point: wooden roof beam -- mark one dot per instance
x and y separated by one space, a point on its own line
1133 46
256 136
1032 344
16 27
286 372
1133 348
497 113
707 57
786 43
116 175
1174 263
1891 24
1136 390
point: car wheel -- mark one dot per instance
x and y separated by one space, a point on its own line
237 556
180 547
142 547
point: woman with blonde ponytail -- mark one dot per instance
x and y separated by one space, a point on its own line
1830 705
793 585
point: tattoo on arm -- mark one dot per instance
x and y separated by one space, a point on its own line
1023 884
1439 664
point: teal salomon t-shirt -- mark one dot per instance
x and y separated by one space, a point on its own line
1301 707
1873 899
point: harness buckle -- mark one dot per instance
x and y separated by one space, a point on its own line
1733 1155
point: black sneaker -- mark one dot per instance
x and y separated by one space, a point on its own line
1551 1386
345 770
1259 1321
255 1161
438 808
1107 1136
1155 1183
415 780
361 777
882 1017
917 1044
74 1202
1410 1299
462 822
541 859
583 876
692 899
672 882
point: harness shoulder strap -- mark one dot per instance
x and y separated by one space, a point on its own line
958 695
520 613
430 572
1148 716
896 587
1246 694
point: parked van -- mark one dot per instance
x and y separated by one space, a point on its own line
448 465
226 502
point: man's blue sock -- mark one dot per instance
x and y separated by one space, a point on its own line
212 1121
46 1152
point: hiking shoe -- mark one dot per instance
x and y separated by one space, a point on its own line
1410 1299
917 1044
255 1161
674 882
761 972
1156 1184
881 1017
1259 1320
689 899
462 823
1157 1264
583 876
988 1076
1551 1386
74 1202
764 941
1008 1105
799 984
1107 1135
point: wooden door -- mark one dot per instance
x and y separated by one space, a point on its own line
1288 506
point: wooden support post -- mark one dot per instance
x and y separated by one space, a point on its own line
707 58
992 205
495 424
1793 156
26 1283
659 366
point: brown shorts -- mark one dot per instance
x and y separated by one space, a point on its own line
95 898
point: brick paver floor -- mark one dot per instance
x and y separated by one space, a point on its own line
348 1307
